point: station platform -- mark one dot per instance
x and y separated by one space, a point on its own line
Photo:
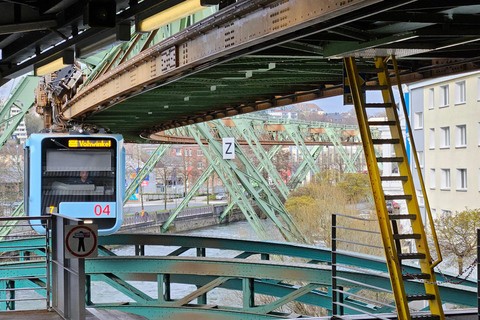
91 314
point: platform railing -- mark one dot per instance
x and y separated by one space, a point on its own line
346 232
27 262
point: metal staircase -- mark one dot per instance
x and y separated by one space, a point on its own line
412 224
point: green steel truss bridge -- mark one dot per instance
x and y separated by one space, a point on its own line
248 56
285 271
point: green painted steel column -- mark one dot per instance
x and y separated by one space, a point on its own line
201 180
246 131
147 168
226 175
23 94
268 205
335 139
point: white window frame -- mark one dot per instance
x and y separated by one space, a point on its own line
444 137
421 160
433 179
479 134
199 152
460 92
444 99
434 213
478 89
432 138
462 179
418 120
431 98
461 136
445 183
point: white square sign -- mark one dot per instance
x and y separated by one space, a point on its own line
228 148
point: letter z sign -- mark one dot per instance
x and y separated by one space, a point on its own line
228 148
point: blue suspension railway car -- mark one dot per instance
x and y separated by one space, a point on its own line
80 176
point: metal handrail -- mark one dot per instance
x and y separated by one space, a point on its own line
419 170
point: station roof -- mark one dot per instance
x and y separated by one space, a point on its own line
301 62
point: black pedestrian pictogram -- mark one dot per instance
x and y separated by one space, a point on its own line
81 239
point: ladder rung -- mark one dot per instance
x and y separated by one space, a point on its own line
385 141
390 159
402 216
378 105
411 256
394 178
423 296
416 276
382 123
426 317
398 197
407 236
375 87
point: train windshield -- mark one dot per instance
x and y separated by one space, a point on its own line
77 172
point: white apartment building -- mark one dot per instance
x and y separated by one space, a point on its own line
445 119
21 131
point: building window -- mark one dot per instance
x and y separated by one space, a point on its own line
420 158
445 179
200 165
418 121
478 88
445 137
461 136
189 152
460 92
479 133
432 138
433 179
443 100
431 98
421 201
199 152
462 179
434 213
446 212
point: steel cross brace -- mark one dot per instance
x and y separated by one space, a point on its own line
227 176
271 154
246 131
303 169
201 180
294 135
22 93
272 201
335 139
147 168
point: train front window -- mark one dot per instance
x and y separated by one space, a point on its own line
77 175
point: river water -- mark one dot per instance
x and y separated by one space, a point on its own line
238 230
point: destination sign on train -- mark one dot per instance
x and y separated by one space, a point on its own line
77 143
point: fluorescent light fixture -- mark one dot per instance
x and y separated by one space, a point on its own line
67 58
88 221
169 15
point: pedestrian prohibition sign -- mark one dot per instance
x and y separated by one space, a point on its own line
81 241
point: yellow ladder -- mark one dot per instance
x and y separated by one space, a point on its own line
391 236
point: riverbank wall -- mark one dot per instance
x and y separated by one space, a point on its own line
187 219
